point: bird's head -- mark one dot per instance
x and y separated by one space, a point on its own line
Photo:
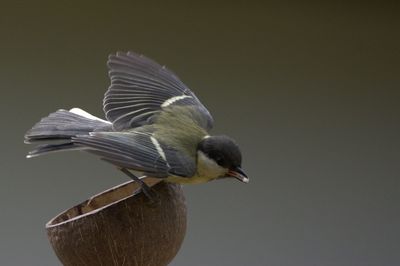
225 154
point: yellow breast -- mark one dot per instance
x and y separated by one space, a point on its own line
207 170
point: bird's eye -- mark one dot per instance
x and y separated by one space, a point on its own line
219 160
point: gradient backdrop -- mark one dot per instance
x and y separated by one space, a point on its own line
310 92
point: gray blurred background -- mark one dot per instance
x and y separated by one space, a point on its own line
310 92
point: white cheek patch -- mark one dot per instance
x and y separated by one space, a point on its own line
83 113
207 167
174 99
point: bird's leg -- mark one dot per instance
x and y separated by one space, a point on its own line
148 191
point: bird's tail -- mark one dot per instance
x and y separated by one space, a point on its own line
57 129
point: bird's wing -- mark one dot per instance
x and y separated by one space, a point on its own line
141 88
138 151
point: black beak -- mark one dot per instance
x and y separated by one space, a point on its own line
238 174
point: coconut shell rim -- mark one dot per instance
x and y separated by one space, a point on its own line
50 224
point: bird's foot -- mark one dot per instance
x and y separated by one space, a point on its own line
152 196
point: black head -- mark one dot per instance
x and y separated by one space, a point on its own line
226 153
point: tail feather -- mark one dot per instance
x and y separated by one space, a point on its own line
61 126
50 148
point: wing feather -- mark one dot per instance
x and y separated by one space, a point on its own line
140 89
137 151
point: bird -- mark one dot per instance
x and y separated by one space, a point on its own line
154 126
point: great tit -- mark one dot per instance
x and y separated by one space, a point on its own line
155 127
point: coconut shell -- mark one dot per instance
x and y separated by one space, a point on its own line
120 227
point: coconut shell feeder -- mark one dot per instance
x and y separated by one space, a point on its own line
120 227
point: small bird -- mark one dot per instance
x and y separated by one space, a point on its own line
155 127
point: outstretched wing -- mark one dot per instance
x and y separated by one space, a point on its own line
138 151
141 88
